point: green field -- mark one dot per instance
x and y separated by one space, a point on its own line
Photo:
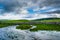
39 26
13 21
51 27
4 25
55 27
54 20
48 20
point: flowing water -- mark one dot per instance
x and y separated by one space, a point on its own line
11 33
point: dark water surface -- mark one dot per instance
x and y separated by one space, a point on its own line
11 33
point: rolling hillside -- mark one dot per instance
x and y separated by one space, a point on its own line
48 20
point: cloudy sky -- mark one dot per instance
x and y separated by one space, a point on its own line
29 9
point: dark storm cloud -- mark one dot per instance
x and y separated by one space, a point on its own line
56 4
50 3
37 9
10 5
57 11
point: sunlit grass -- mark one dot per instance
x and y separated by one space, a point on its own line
50 20
39 26
13 21
24 26
52 27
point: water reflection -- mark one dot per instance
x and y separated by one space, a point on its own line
11 33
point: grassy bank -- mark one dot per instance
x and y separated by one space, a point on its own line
38 26
24 26
5 25
52 27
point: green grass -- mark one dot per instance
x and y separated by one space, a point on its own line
40 26
50 20
56 20
52 27
24 26
40 20
13 21
4 25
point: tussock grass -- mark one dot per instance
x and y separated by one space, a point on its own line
51 27
24 26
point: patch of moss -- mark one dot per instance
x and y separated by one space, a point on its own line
40 27
24 26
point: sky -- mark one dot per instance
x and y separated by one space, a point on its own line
29 9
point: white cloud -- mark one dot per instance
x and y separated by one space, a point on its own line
17 9
11 16
40 16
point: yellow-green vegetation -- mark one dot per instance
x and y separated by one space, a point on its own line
52 27
4 25
24 26
39 26
14 21
57 20
50 20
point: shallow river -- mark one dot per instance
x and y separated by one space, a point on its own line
11 33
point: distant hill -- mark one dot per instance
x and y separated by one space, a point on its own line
48 20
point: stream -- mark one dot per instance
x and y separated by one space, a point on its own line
11 33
